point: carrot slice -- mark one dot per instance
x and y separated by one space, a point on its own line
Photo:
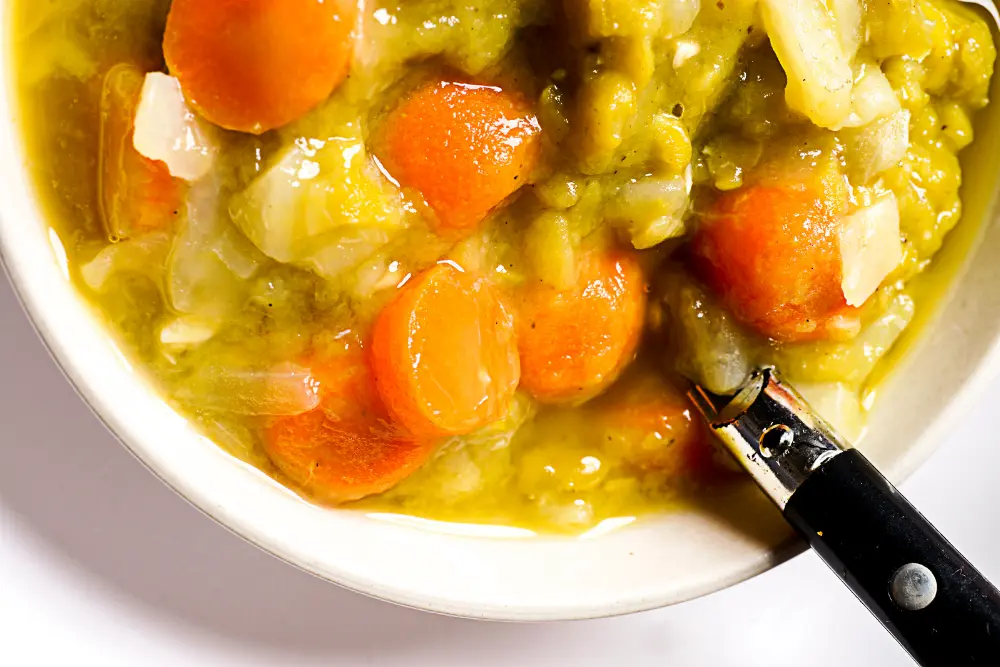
575 342
652 425
347 448
136 194
773 254
465 147
254 65
444 353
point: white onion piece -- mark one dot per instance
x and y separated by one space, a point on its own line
139 255
870 248
651 208
286 389
186 331
347 251
237 253
806 39
199 281
318 193
847 14
710 348
685 50
166 129
678 17
878 146
871 98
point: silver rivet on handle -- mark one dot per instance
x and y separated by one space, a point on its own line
913 587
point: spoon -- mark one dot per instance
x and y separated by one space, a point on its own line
933 601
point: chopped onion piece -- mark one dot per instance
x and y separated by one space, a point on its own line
286 389
877 146
185 331
678 16
707 345
200 280
166 129
651 209
870 248
321 195
347 251
138 255
685 50
805 36
237 253
847 14
871 98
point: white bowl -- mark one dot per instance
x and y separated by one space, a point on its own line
507 575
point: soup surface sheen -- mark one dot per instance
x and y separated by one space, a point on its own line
456 258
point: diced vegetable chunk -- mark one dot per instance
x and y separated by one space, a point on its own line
806 38
286 389
210 261
464 147
848 15
877 146
168 131
347 448
146 254
185 332
772 252
136 194
650 209
323 205
870 248
704 341
871 98
575 342
254 65
444 353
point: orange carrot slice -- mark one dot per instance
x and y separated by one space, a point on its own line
465 147
444 353
575 342
254 65
773 254
136 194
347 448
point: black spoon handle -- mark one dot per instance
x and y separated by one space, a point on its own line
932 600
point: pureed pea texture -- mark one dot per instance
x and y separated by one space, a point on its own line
455 258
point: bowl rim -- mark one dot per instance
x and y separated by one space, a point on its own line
63 360
31 299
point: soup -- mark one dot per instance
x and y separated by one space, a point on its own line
462 258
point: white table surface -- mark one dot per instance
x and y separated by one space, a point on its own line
101 564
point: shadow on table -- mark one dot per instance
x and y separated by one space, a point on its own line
64 476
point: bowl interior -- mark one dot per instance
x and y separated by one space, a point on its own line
505 573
